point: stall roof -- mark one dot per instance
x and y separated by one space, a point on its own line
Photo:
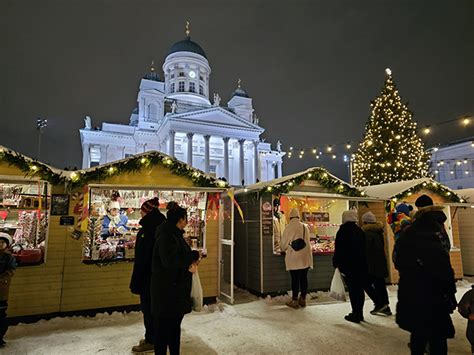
401 189
30 166
287 183
466 194
140 161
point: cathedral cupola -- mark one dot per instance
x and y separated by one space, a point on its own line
187 71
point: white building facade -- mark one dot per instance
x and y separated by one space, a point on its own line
453 164
176 117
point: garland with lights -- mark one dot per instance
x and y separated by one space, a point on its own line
391 150
320 175
30 167
435 187
136 163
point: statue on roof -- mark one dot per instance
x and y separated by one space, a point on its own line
174 107
87 122
217 100
279 147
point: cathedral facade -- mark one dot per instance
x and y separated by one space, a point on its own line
176 117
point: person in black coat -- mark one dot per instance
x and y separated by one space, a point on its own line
171 280
377 269
426 287
350 259
141 276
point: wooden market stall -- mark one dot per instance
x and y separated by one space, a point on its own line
84 270
466 230
320 197
408 191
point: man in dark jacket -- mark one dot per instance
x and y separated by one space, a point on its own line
376 263
350 259
141 276
427 287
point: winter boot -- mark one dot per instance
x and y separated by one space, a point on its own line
383 310
293 304
143 347
354 318
302 302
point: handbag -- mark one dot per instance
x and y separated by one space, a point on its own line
337 290
299 243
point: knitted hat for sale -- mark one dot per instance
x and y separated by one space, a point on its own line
369 217
403 208
349 216
423 201
148 205
294 213
6 237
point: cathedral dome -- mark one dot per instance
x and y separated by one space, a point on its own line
187 45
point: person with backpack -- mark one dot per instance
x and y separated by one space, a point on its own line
426 289
295 243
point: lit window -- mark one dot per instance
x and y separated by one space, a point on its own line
181 86
201 90
192 87
181 73
172 87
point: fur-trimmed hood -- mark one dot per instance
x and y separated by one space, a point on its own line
372 227
433 212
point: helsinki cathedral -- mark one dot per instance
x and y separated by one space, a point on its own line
175 116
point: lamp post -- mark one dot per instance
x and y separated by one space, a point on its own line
41 124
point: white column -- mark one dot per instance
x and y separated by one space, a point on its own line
171 143
206 153
86 156
103 154
226 158
190 149
268 171
241 162
256 160
279 165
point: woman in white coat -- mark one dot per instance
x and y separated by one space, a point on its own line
298 262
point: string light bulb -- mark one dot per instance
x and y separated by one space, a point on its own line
427 130
466 121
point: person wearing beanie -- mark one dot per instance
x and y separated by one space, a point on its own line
114 222
297 260
377 269
141 275
350 259
428 211
7 269
427 288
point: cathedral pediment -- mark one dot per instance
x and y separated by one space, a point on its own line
216 117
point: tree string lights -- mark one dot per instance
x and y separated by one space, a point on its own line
391 150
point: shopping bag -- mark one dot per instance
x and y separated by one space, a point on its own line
196 293
337 290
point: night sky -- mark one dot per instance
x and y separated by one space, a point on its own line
311 67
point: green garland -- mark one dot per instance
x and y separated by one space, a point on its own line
31 167
135 164
431 186
320 175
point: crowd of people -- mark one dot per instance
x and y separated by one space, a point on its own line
164 266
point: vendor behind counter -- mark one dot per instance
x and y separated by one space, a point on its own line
114 222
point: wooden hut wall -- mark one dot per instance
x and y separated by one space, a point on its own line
466 232
378 208
247 243
64 283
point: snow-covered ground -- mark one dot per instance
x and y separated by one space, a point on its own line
253 326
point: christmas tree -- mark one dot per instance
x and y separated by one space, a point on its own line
391 150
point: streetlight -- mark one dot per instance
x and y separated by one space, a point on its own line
41 124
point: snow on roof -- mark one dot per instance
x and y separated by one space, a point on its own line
389 190
288 178
466 193
4 149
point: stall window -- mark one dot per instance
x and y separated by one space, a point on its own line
24 215
322 215
113 223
